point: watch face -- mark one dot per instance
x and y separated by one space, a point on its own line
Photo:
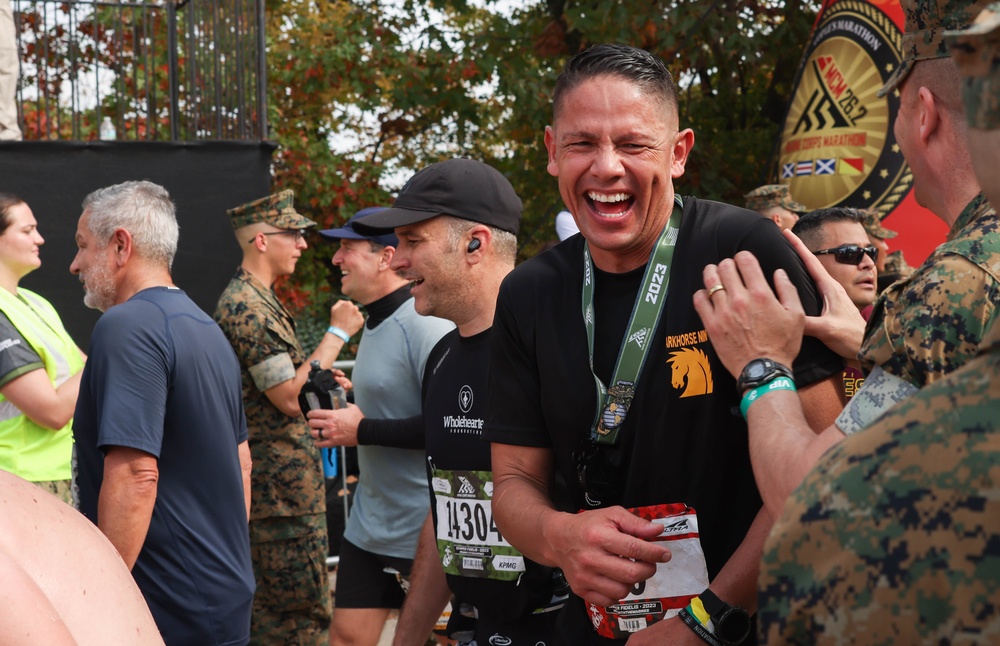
733 626
756 369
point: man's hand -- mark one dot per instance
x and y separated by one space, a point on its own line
338 427
346 315
342 379
840 325
744 319
604 552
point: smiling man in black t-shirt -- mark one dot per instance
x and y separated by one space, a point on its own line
663 442
457 222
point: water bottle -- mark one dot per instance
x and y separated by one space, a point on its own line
107 130
329 460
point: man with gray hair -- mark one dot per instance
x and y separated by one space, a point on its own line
162 465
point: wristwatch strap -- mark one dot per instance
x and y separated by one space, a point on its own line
698 629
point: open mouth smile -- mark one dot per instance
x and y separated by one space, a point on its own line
614 205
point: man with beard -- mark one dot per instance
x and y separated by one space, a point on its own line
457 223
162 462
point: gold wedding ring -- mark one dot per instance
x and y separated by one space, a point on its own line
717 288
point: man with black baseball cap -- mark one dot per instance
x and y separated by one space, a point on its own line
389 503
462 188
457 222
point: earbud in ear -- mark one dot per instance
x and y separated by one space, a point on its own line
475 244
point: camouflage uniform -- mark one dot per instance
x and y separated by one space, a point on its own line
764 197
894 537
976 51
288 507
926 23
926 325
896 265
873 226
930 323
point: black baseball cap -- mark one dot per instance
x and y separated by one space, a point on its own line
386 239
462 188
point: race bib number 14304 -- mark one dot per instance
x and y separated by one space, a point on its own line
469 542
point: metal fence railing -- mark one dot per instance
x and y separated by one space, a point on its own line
147 70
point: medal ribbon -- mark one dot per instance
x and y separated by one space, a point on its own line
613 403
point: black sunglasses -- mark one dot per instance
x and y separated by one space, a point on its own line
850 254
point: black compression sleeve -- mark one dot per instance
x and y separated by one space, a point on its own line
398 433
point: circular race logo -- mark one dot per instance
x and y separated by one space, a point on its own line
838 147
465 398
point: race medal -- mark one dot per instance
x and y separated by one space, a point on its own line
619 399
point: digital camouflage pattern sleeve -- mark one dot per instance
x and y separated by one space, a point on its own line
925 326
894 537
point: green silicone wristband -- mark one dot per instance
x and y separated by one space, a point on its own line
752 395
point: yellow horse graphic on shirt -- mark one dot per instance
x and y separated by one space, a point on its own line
690 370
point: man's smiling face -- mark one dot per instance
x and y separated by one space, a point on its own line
616 151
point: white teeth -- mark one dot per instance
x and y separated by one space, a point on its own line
617 197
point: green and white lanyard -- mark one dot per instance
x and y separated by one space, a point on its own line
613 402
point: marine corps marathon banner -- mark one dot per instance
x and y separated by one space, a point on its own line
837 146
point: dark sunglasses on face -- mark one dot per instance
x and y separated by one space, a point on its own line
850 254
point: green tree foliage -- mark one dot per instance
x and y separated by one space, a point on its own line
363 93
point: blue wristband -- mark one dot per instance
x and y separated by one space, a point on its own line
337 332
752 395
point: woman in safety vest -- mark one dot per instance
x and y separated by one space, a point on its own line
40 364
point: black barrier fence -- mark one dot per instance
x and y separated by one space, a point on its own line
174 70
203 178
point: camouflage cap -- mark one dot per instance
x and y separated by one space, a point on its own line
873 225
923 37
277 210
976 51
764 197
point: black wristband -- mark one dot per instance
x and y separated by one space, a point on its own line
698 629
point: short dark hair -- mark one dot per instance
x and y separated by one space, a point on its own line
7 202
808 226
615 59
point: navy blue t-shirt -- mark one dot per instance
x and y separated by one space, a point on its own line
161 377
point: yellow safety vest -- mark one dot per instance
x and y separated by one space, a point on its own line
27 449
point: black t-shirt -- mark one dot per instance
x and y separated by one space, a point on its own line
454 408
682 440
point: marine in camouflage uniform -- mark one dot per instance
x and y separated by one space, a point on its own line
774 201
893 538
932 322
288 506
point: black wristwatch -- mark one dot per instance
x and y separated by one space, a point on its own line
732 623
760 371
